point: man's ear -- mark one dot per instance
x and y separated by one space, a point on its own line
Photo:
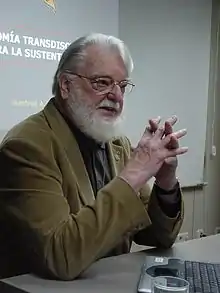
64 84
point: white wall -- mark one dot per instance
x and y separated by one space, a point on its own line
170 44
201 204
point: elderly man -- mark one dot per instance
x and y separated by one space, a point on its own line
71 191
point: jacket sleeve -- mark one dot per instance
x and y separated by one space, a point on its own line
163 229
56 241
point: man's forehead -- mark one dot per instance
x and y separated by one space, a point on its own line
104 61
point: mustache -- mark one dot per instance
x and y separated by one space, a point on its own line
108 103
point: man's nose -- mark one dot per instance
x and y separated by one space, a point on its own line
116 94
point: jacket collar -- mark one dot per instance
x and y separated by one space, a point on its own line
67 140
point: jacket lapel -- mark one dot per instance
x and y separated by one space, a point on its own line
69 143
116 158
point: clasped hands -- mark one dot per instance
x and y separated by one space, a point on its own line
155 155
166 176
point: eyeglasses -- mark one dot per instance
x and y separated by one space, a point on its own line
105 84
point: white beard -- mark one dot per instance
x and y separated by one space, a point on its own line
88 120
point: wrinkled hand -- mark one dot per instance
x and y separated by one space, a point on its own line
152 151
166 176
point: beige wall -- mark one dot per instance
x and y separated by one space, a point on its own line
203 205
212 170
194 211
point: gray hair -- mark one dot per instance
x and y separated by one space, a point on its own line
76 53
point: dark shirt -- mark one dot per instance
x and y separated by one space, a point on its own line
96 160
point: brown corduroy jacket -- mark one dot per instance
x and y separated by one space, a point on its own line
50 221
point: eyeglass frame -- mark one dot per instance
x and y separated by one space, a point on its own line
94 79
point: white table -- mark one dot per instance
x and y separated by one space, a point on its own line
121 273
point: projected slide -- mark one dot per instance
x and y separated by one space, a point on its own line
31 45
33 35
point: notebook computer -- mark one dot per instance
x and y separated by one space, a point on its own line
203 277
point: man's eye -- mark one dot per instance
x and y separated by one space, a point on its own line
123 84
103 82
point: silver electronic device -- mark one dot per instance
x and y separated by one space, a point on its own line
159 266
